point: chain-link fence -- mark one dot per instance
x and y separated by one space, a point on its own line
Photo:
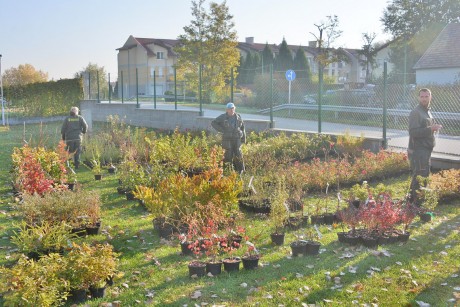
374 110
377 110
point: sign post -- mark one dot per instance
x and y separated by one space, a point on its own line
290 76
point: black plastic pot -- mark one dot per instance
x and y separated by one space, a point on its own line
277 238
250 262
312 248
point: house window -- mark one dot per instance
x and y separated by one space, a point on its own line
160 72
160 55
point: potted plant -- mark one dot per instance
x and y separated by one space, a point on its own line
38 240
251 256
111 168
255 197
350 216
428 198
96 168
197 267
231 262
76 209
408 212
299 246
90 266
313 244
279 212
30 283
358 194
71 179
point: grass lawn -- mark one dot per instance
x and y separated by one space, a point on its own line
153 273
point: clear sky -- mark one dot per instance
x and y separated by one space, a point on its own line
61 37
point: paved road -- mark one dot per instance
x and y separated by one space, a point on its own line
446 145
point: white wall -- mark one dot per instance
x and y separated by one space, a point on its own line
437 75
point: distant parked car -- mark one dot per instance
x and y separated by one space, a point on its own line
309 99
312 98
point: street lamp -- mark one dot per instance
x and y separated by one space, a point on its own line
1 91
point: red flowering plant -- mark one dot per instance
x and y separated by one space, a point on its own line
380 215
203 236
31 178
211 240
407 213
229 247
350 216
250 250
235 236
37 170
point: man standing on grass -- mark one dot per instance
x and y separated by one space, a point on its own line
73 128
233 132
422 130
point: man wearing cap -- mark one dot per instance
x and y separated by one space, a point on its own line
231 126
73 128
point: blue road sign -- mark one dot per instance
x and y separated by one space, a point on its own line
290 75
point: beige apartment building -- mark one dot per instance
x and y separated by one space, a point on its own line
154 60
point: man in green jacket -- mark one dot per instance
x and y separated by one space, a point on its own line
422 129
73 128
233 132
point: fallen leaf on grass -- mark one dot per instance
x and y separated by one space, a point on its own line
422 304
268 295
196 295
352 269
243 285
346 255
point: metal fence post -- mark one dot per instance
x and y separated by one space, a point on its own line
110 91
154 90
320 93
122 98
201 101
137 90
98 90
175 88
271 96
231 85
89 85
385 141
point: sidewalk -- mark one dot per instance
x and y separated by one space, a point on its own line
446 146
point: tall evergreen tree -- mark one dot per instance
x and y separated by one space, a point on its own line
283 60
267 57
301 66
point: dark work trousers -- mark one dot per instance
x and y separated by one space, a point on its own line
74 147
420 164
233 154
